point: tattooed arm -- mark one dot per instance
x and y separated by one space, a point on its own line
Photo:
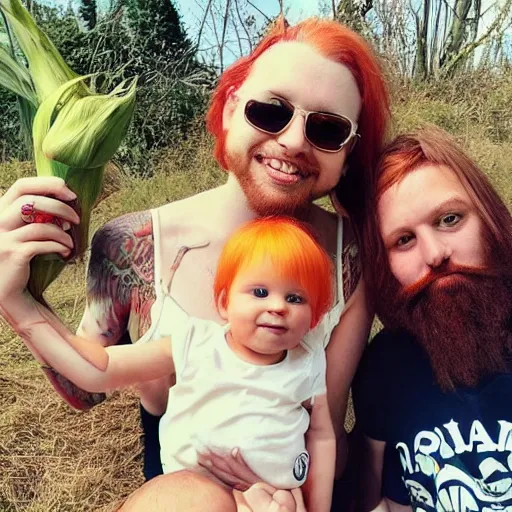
120 280
121 291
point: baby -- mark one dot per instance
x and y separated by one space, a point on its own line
252 383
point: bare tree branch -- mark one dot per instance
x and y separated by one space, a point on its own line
243 25
422 23
260 11
495 26
223 37
219 46
477 6
235 27
434 46
203 21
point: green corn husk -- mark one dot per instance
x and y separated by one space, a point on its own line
15 77
75 131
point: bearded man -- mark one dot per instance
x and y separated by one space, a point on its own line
434 388
285 120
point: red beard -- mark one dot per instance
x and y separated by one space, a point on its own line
461 316
296 203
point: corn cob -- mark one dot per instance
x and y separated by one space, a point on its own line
75 131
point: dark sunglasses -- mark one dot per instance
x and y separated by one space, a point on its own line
325 131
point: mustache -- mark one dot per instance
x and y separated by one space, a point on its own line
444 270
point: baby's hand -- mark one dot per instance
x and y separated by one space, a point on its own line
229 468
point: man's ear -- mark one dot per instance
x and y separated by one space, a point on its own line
229 108
221 305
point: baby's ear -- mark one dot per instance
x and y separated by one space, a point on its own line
222 305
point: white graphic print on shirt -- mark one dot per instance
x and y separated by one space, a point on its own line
454 470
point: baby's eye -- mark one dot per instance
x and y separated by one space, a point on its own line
450 220
293 298
260 292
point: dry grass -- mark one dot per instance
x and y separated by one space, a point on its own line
53 459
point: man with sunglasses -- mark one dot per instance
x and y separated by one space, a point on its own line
302 117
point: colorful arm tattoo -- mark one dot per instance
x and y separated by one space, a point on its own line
120 280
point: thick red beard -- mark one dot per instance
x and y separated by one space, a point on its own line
297 203
461 317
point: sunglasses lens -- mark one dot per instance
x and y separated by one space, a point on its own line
327 131
269 117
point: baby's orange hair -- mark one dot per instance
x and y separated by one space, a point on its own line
289 246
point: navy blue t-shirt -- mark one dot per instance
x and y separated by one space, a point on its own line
445 451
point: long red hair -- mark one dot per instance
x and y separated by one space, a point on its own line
427 146
342 45
290 248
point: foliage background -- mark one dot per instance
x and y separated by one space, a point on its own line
52 458
137 37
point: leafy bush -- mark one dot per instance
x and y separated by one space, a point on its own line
139 37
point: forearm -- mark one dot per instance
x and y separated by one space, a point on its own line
52 344
341 451
343 354
319 484
88 365
321 445
370 478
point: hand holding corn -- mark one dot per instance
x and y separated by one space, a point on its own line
75 133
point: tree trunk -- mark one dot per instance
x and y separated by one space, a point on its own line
421 61
458 33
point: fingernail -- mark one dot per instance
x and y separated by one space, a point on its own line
66 226
208 463
234 452
70 194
